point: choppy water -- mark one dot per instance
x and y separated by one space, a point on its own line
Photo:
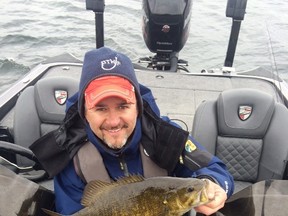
33 30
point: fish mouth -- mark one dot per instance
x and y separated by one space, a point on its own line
203 198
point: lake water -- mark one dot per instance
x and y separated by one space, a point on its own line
33 30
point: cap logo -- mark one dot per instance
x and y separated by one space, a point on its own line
60 96
110 64
244 112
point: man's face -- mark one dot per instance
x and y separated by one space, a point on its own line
112 120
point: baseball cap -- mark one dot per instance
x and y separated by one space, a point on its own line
109 86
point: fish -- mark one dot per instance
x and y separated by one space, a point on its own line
135 195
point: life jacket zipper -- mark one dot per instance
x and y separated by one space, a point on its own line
123 166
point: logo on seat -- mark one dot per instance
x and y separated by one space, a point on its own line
244 112
165 28
60 96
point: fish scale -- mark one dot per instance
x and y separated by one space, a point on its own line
144 203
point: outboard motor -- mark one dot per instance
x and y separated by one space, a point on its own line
165 30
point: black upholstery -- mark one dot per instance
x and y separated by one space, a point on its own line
253 149
37 111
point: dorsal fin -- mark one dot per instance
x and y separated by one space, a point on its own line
129 179
94 188
51 213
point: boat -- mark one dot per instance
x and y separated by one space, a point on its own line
222 108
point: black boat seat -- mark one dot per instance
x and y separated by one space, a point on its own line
40 109
248 131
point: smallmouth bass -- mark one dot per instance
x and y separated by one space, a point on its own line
134 195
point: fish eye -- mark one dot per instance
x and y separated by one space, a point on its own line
190 189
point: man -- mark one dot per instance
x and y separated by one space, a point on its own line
119 117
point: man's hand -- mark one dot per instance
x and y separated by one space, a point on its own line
218 197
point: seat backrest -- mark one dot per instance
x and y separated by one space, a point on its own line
40 109
248 131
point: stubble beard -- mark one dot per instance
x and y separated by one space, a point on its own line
113 146
121 144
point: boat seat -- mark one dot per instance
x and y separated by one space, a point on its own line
40 109
248 131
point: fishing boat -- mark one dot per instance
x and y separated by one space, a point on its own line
240 116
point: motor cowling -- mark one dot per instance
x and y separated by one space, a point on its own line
166 24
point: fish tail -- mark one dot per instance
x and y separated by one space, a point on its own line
51 213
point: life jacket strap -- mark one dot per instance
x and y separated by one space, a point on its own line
89 165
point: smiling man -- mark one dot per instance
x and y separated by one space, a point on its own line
126 136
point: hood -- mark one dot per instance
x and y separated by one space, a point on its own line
106 62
